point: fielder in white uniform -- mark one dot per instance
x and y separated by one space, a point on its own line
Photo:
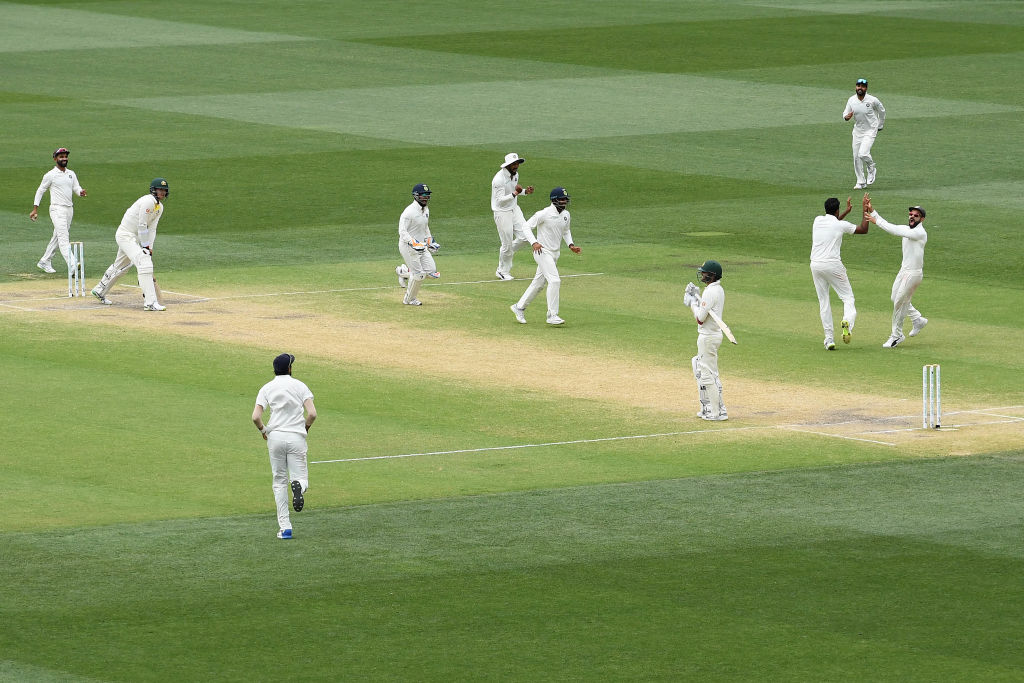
868 116
508 217
135 237
709 339
416 245
63 185
827 269
291 415
552 226
911 272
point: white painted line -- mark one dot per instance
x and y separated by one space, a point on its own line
837 436
535 445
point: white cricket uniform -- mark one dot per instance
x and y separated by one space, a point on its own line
63 186
911 271
868 119
137 230
414 226
286 438
827 269
705 363
552 229
508 218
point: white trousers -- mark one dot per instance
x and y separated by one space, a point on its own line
705 371
903 289
833 275
61 217
420 264
547 273
129 253
863 164
287 464
510 232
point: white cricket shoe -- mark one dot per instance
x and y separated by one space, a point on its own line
402 272
892 342
555 320
45 267
916 330
871 176
715 418
859 186
503 276
830 345
412 302
154 307
519 313
103 300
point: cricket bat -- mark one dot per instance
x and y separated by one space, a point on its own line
725 328
160 297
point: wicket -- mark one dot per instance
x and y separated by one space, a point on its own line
931 396
76 275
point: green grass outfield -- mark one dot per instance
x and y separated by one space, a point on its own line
491 500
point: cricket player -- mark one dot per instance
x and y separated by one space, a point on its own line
709 339
508 217
911 272
552 226
868 116
135 237
827 269
416 245
291 415
63 184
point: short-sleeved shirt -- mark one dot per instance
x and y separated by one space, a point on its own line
827 238
284 395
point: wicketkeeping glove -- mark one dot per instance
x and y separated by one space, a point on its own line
433 246
418 246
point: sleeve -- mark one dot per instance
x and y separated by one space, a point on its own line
304 394
147 231
261 399
531 225
848 110
898 230
881 113
43 187
403 228
567 233
501 198
76 185
848 227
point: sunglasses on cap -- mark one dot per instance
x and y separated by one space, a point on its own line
861 81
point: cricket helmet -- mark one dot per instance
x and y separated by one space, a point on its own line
710 271
159 184
421 192
559 197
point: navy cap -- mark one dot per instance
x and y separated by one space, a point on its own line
862 81
282 363
918 209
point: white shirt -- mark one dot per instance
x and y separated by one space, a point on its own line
713 299
413 224
868 114
284 395
63 185
141 219
914 240
827 238
552 227
503 188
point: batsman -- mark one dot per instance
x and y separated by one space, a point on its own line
707 309
135 237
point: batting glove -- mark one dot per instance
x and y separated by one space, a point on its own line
418 246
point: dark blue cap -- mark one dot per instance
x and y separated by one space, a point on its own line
282 363
862 81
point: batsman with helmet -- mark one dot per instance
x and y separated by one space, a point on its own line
135 237
709 339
